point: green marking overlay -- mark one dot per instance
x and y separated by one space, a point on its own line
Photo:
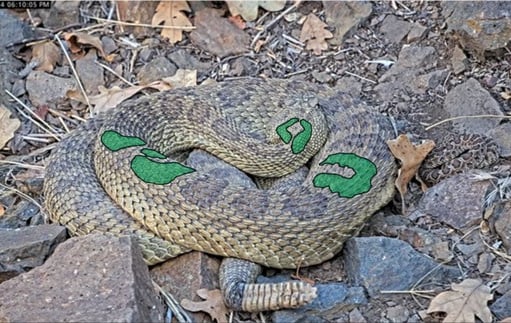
114 141
153 153
302 139
359 183
158 173
282 131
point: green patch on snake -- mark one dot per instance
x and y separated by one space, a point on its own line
359 183
282 131
114 141
301 139
153 153
158 173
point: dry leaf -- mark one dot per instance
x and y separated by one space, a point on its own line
314 34
467 300
411 157
182 78
8 126
75 41
2 210
238 22
170 14
213 304
249 9
107 98
506 95
506 320
47 54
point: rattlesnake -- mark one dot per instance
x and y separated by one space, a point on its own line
98 180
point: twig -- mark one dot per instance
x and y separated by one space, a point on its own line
27 166
181 315
133 24
30 118
360 77
75 73
271 23
22 195
115 73
466 117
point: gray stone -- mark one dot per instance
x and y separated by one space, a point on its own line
501 308
13 29
395 29
183 276
380 263
62 13
184 60
217 35
344 16
91 74
332 300
412 72
479 25
416 33
44 88
20 215
457 201
96 278
458 61
501 136
25 248
470 98
155 70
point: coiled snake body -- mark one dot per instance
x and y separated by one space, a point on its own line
106 176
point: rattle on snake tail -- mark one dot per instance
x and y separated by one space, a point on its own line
116 174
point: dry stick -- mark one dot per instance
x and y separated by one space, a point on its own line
466 117
75 73
22 195
495 250
50 128
271 23
115 73
360 77
29 117
27 166
171 302
133 24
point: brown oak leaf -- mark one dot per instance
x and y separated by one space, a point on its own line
8 126
213 304
249 9
467 300
78 39
314 34
47 54
170 13
411 157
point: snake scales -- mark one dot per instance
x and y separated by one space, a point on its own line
91 188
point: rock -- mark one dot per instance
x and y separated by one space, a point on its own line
458 60
92 278
416 32
13 29
44 88
380 263
185 61
479 25
333 299
184 275
349 85
409 72
470 98
155 70
501 136
20 215
217 35
26 248
109 45
322 77
344 16
91 74
395 29
457 201
502 223
397 313
61 14
501 307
